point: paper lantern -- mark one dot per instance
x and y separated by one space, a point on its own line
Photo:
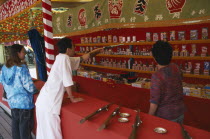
175 5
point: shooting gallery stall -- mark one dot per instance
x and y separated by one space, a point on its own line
121 75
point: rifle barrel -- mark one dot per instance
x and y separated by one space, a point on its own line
106 122
94 113
135 125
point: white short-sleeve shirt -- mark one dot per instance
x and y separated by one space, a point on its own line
51 94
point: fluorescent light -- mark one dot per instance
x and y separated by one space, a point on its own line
194 21
58 37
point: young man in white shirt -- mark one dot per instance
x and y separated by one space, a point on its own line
48 104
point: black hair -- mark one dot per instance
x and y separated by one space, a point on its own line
63 44
162 52
13 57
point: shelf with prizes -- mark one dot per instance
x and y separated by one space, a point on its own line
125 53
132 51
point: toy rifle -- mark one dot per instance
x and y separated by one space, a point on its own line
92 54
96 112
106 123
185 134
112 46
135 126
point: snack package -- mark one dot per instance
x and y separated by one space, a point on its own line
148 36
172 35
181 35
205 33
155 37
193 34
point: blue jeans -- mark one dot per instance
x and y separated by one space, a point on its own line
22 123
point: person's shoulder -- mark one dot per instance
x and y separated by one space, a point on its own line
22 68
3 67
62 56
174 66
156 74
14 67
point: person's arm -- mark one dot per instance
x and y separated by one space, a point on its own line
26 80
72 98
155 92
91 54
153 108
67 80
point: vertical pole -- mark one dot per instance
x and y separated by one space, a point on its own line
48 33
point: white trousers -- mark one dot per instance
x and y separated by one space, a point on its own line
48 125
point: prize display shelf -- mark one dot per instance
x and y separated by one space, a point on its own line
150 43
112 68
207 58
145 43
150 57
142 71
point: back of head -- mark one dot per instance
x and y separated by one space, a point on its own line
63 44
162 52
13 57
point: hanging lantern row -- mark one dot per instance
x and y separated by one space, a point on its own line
11 29
9 38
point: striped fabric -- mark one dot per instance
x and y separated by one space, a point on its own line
167 92
48 34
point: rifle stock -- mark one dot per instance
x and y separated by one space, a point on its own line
133 133
94 113
88 117
106 122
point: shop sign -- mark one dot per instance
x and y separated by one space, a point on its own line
175 6
115 8
82 17
97 12
129 11
69 21
140 7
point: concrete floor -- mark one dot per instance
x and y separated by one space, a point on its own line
5 125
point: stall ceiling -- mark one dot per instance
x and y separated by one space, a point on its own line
16 28
2 1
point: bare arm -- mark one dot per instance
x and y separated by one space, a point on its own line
72 98
153 108
92 53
